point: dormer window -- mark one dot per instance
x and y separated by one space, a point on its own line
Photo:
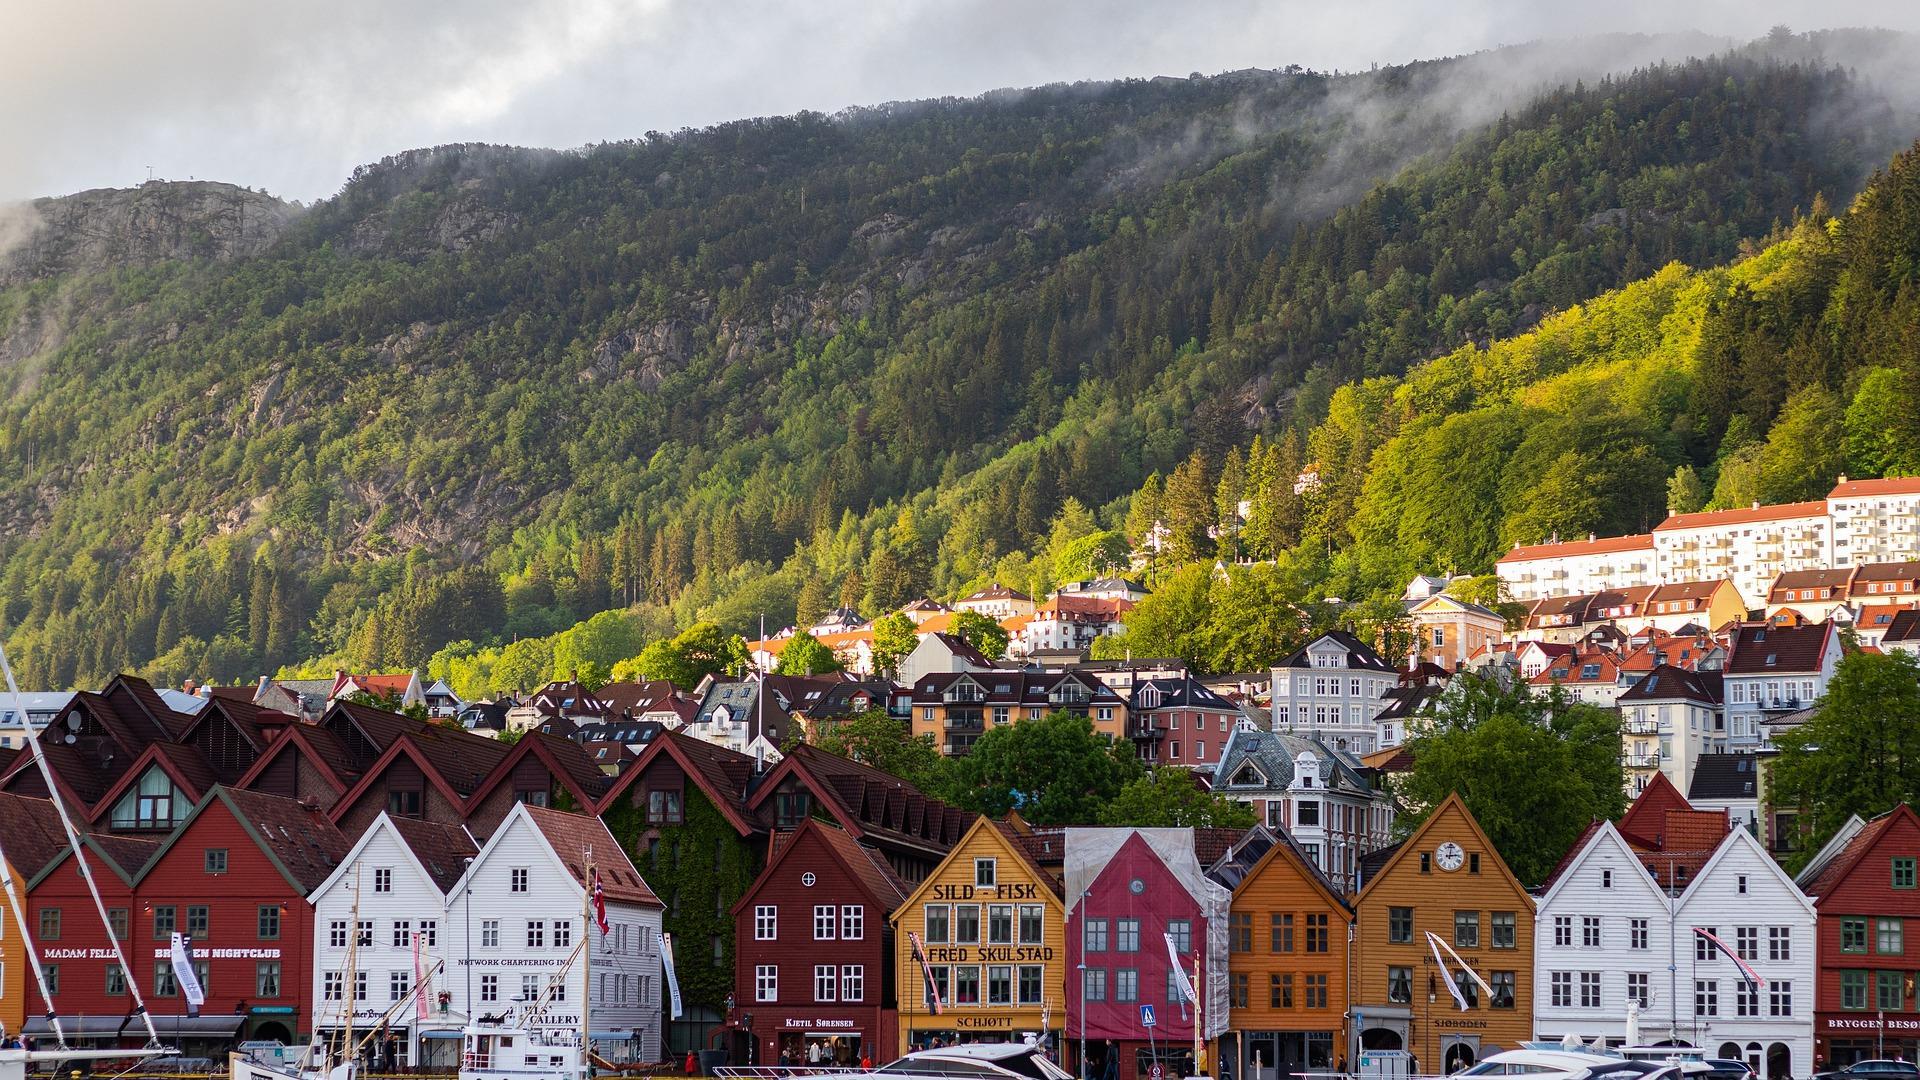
155 804
1150 697
965 690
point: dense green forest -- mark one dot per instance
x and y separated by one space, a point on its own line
763 368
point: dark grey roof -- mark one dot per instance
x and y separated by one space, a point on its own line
1411 700
1359 653
1723 776
1669 683
1904 627
1187 693
1272 754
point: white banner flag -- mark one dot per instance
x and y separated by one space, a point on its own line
183 973
1446 976
673 982
1180 972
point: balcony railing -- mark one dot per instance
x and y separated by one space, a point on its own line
1640 761
1640 727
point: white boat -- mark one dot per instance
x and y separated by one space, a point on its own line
506 1050
1024 1060
1569 1064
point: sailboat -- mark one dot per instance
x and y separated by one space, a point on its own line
16 1063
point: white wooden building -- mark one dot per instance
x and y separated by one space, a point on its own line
506 923
1609 932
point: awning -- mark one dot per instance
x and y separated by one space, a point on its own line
440 1033
84 1027
225 1025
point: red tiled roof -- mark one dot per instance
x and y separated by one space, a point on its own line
441 849
1646 819
1594 546
1792 649
572 835
1745 516
1891 485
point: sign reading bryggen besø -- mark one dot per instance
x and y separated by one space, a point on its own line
990 928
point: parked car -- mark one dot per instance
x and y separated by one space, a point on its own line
1873 1069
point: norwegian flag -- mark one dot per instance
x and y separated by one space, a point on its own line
599 902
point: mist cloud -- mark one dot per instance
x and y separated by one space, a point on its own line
289 96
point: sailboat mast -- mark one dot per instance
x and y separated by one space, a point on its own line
86 874
349 979
586 959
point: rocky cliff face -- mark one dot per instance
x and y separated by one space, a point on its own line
157 221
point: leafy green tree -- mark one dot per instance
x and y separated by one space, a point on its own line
1168 797
701 650
804 655
1533 770
980 632
1055 770
1875 424
1805 450
1171 621
526 664
1860 753
1686 492
591 648
894 636
876 739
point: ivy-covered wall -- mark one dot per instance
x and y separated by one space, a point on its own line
697 869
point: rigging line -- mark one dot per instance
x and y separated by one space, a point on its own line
26 936
80 860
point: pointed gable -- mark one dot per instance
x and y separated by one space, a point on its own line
1645 821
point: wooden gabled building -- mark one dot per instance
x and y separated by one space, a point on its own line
911 831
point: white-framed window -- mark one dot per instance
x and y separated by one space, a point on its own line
1779 942
823 921
986 874
398 983
825 982
766 923
337 933
402 933
853 982
1590 931
519 879
563 933
1636 933
536 933
853 922
383 879
766 982
1560 984
489 988
1779 998
1589 989
489 933
429 932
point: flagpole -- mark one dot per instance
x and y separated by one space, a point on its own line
587 927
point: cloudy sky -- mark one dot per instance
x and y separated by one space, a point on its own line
290 95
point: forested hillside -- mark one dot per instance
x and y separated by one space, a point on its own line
484 393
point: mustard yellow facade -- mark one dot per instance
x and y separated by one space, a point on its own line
993 931
13 959
1446 891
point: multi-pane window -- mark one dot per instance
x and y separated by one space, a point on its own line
1400 925
1469 989
1779 998
826 980
1746 999
489 988
966 924
1563 930
1282 931
1903 875
1317 933
332 985
1853 989
1637 989
1126 985
853 922
536 933
999 985
1702 948
1853 935
398 983
853 982
1706 997
1400 985
267 925
197 920
1031 983
985 873
1560 989
50 924
337 933
1466 929
939 924
766 922
766 982
1095 933
1590 931
1239 990
402 933
1239 932
1636 933
1779 942
1887 937
215 860
563 933
163 982
363 931
1126 935
1316 987
383 879
1032 921
1503 930
1181 930
1746 942
1890 989
489 933
825 920
1280 991
1589 989
164 922
1502 983
999 924
1094 984
518 879
429 932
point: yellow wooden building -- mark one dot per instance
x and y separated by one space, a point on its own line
1289 969
992 927
1446 881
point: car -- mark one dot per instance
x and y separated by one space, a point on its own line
1873 1069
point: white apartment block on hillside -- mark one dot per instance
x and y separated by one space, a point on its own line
1859 522
1333 689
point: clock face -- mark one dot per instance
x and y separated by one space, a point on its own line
1449 856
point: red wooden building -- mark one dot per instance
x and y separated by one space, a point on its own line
235 876
1865 891
813 953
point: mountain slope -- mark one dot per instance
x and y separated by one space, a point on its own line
482 392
